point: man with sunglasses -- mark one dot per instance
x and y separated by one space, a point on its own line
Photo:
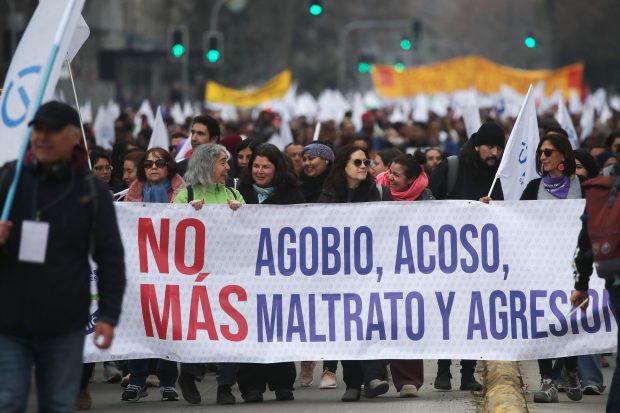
61 215
204 129
469 176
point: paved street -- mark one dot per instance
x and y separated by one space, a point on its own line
106 398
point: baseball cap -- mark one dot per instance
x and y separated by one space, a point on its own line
56 115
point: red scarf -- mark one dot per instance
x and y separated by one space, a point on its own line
410 194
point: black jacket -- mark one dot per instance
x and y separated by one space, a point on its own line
367 191
311 186
53 298
472 182
279 197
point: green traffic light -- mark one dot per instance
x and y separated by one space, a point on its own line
530 42
405 44
213 55
178 50
364 67
315 9
399 67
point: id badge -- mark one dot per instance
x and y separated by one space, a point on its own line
33 244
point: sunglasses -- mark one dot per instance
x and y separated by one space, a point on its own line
547 152
160 163
359 162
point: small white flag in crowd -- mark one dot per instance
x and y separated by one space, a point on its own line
518 165
471 118
159 137
565 121
185 150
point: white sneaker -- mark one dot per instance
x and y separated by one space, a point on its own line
409 390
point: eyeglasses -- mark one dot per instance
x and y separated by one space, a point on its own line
547 152
102 168
160 163
359 162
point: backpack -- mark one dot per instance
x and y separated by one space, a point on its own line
603 212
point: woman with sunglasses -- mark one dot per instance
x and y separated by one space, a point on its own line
556 164
350 181
156 181
157 178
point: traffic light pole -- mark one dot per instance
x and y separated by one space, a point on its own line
362 25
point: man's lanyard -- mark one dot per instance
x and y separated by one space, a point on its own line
37 213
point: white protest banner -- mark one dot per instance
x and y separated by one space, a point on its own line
387 280
518 165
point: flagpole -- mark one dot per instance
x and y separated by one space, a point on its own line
317 131
77 105
492 186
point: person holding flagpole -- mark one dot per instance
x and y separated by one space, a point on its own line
61 215
471 177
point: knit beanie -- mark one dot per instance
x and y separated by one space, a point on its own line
320 150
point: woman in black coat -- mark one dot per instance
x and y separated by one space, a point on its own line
268 179
350 181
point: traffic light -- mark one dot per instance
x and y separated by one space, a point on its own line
399 66
417 31
365 63
212 48
530 41
315 8
405 43
178 42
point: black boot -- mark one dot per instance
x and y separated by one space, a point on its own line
224 395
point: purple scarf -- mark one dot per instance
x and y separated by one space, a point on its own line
557 186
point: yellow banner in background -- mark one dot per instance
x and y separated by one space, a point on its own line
273 89
471 71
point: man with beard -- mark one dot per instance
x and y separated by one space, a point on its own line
204 129
471 178
476 167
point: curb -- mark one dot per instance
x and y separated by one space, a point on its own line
503 388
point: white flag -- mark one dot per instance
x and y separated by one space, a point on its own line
183 152
159 138
104 128
177 114
587 121
518 165
147 111
420 111
87 112
471 118
565 121
34 70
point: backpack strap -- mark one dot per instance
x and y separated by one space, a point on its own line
453 170
190 194
614 192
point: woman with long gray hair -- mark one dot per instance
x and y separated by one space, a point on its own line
205 179
205 183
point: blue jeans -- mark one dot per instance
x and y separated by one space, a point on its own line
167 372
613 402
58 363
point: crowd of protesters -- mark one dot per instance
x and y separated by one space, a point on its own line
235 163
